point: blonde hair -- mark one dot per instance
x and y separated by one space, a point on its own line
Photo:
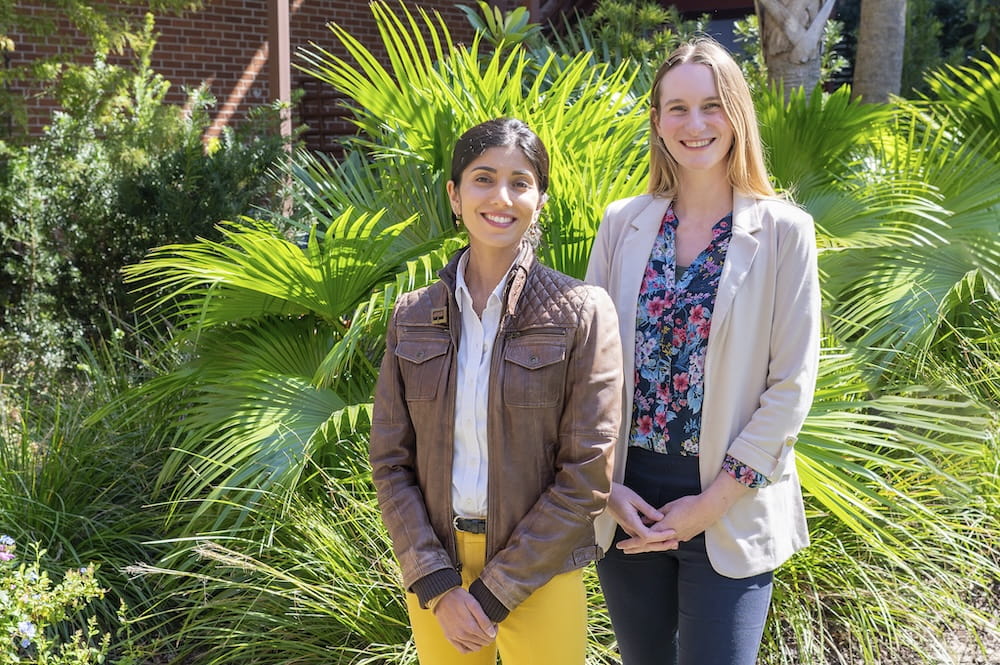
746 170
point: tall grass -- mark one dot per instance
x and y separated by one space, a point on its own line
309 578
72 480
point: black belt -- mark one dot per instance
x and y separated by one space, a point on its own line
470 524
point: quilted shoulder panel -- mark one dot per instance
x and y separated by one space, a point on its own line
551 298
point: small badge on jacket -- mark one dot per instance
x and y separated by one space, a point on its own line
439 316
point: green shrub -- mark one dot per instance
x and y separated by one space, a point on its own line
117 173
77 475
32 606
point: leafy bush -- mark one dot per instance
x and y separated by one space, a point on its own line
77 472
31 607
117 173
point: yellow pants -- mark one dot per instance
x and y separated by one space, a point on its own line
549 628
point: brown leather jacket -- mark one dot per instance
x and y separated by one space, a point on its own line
554 411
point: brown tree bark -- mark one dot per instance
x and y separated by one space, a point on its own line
878 68
791 35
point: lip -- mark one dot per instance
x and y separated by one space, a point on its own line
499 220
698 143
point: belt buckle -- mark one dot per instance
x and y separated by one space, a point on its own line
480 524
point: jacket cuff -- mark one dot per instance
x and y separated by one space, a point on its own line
493 608
433 585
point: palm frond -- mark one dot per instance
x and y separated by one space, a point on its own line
861 457
808 140
249 436
255 272
370 318
974 88
925 188
856 212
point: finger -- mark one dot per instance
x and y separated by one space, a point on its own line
477 642
485 625
661 527
661 546
632 548
628 501
642 534
646 538
639 532
630 543
635 529
469 642
648 512
642 507
640 547
649 549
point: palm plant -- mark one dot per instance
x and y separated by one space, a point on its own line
278 365
896 225
922 236
283 340
410 117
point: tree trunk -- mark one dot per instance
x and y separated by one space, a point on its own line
878 68
791 35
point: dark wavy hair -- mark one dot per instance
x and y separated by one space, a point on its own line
501 133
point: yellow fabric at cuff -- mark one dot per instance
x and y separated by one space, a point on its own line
432 603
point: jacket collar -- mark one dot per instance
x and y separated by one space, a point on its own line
654 209
742 247
745 215
516 278
739 257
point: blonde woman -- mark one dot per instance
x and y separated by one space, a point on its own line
715 283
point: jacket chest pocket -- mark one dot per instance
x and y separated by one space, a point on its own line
423 364
534 371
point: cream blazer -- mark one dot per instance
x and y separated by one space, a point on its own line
760 365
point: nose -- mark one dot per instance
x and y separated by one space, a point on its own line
696 120
502 194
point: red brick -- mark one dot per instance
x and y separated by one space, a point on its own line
220 43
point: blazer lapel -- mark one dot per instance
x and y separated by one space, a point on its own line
739 257
637 243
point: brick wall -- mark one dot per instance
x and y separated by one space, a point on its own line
225 46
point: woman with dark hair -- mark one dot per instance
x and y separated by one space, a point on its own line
715 281
497 403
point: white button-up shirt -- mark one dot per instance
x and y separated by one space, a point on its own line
469 476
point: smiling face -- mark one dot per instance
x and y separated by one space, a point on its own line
691 120
497 198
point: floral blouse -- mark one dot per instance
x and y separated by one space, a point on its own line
672 326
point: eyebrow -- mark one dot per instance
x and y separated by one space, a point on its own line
677 100
493 170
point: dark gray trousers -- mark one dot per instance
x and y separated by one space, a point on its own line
672 608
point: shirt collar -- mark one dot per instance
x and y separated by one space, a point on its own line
462 294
